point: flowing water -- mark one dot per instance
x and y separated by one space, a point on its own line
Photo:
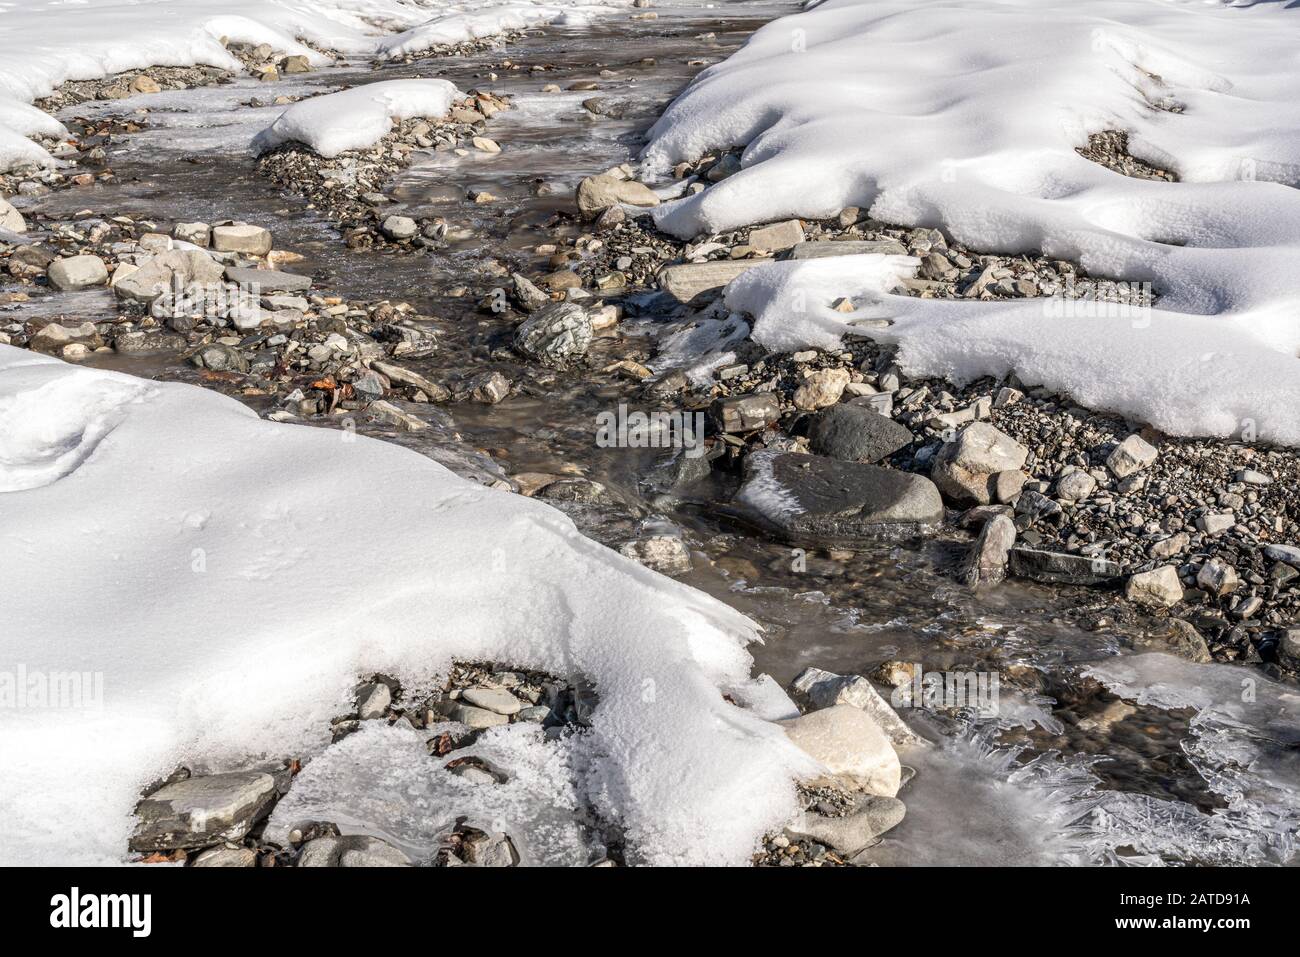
1063 772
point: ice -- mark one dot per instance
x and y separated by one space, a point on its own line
968 116
254 570
357 118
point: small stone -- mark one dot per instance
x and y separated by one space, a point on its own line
685 281
1216 523
145 84
353 850
490 388
10 218
666 554
78 272
1218 578
1158 588
1131 455
495 700
485 145
373 701
963 467
476 718
241 238
400 228
987 562
598 193
821 389
1075 486
226 856
295 64
200 234
746 413
778 237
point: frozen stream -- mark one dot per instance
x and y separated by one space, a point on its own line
1201 764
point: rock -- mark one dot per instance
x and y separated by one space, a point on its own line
843 247
373 701
10 218
825 689
529 297
1169 547
554 335
490 388
218 357
598 193
1288 554
1005 487
200 234
490 850
1132 455
1218 578
241 238
268 280
202 810
850 745
54 337
963 468
485 144
1288 648
400 228
821 389
1075 486
987 562
144 341
853 832
78 272
1180 638
1061 568
745 413
1216 523
666 554
407 377
295 64
354 850
686 281
496 700
776 238
390 414
855 433
145 84
226 856
475 718
809 498
165 272
1158 588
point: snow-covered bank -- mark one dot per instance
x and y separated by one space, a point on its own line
229 578
357 118
45 43
967 114
459 25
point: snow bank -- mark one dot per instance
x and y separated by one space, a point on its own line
464 22
357 118
45 43
229 578
966 114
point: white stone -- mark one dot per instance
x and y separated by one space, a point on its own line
850 745
241 238
1158 588
495 700
78 272
1132 455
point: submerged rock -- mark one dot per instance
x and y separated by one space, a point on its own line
809 498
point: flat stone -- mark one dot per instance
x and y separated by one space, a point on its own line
200 234
1216 523
598 193
685 281
853 832
241 238
202 810
409 377
373 701
1288 554
495 700
776 238
78 272
165 271
473 717
1061 567
353 850
850 745
855 433
226 856
810 498
268 280
400 228
1158 588
847 247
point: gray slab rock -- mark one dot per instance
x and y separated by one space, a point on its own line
1062 568
268 280
353 850
202 810
685 281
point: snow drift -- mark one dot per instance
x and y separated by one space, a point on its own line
228 579
357 118
966 114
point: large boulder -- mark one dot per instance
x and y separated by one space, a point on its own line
855 433
965 468
816 500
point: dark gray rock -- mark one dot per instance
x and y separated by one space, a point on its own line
1062 568
856 434
809 498
202 810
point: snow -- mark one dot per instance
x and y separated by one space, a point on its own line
966 114
464 22
357 118
228 579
